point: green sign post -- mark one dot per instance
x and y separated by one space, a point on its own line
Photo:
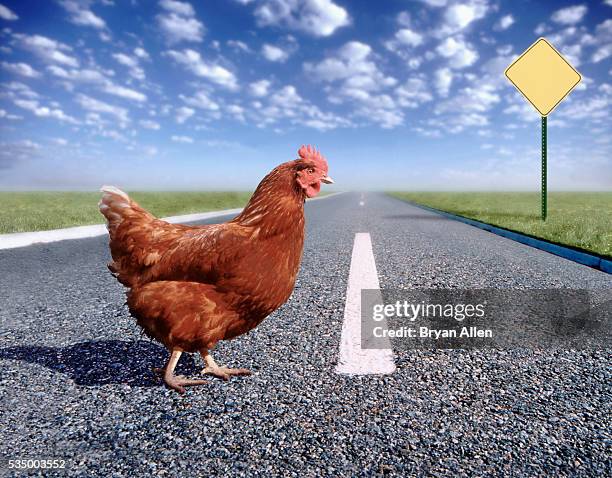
544 78
544 179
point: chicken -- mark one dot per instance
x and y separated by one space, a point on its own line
192 286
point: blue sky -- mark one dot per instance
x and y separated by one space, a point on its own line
211 95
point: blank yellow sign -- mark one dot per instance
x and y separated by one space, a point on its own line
543 76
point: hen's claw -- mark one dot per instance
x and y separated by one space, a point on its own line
176 382
225 372
179 383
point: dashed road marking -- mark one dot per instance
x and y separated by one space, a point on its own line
352 358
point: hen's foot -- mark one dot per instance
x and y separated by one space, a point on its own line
179 382
175 382
225 372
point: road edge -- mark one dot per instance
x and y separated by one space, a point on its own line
23 239
568 253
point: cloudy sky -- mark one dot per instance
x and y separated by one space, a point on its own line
212 94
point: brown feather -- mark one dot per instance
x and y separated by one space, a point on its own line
191 286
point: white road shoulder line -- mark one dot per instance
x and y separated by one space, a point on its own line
352 358
22 239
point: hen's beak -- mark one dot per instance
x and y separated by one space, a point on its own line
327 180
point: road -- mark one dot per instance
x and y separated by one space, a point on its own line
76 379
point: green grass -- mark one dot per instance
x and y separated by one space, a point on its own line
39 211
582 220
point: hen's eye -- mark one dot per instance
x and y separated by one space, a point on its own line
311 170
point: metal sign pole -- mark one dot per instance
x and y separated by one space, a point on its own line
544 154
544 78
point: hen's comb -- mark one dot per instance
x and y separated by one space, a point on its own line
310 153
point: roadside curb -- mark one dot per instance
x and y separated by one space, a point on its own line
584 258
24 239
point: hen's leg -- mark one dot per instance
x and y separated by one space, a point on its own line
222 372
174 382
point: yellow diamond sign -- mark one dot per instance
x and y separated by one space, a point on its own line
543 76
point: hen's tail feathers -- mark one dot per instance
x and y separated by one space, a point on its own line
119 209
113 206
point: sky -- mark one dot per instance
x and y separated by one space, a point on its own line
200 95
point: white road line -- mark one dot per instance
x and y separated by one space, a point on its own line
22 239
352 358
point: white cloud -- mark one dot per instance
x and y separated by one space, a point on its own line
459 16
435 3
15 88
123 92
460 54
236 111
351 62
180 8
540 29
132 63
192 61
178 22
319 18
603 31
141 53
239 45
404 42
505 22
44 111
22 69
287 97
74 75
596 107
569 15
470 106
91 104
409 37
404 19
288 106
125 60
274 53
80 14
603 38
6 115
362 84
443 81
28 143
413 93
200 100
602 53
183 114
97 78
259 88
572 54
47 49
476 99
149 124
60 141
182 139
7 14
105 36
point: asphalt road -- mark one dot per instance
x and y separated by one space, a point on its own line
76 381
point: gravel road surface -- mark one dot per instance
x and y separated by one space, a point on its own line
76 381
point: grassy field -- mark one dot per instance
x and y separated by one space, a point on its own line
38 211
578 219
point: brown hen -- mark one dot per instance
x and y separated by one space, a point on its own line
191 286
